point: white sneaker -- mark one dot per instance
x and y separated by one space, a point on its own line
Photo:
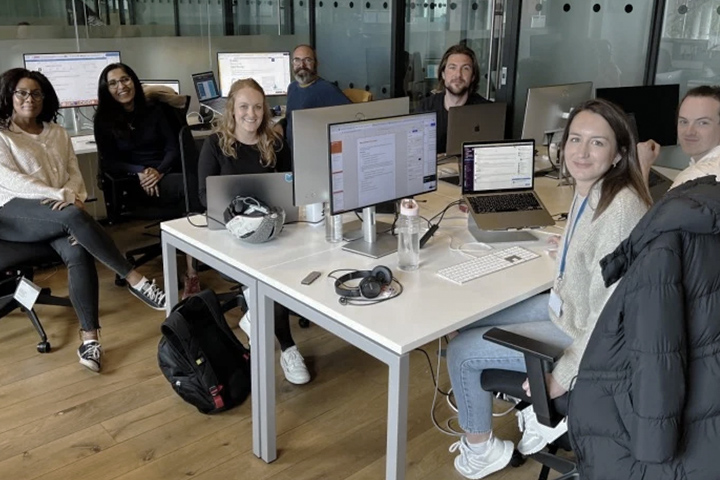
479 465
293 366
245 325
536 436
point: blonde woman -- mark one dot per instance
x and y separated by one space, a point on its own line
244 142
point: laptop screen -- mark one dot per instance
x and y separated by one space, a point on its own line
205 86
498 166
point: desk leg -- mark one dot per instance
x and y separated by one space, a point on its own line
263 365
169 258
397 417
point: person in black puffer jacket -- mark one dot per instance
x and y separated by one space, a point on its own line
646 404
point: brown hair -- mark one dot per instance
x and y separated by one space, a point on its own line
626 173
459 50
707 91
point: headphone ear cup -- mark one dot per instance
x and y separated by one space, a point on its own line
383 274
370 287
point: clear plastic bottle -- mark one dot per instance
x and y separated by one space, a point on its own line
408 234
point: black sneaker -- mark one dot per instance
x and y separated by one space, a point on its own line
89 354
149 293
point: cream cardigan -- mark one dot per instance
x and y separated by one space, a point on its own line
39 166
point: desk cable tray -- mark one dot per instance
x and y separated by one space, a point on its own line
492 262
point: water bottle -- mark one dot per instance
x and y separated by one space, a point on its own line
408 234
333 226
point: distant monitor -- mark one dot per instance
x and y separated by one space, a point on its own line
310 142
547 108
653 106
74 76
376 161
173 84
270 70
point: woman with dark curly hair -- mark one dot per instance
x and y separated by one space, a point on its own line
41 200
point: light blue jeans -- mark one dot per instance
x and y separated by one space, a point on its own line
469 354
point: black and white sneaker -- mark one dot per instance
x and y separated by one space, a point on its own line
89 354
150 293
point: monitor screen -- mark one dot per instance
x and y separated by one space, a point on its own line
73 75
548 108
495 166
172 84
310 142
270 70
205 86
376 161
653 106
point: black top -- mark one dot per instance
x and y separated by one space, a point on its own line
150 143
436 103
213 161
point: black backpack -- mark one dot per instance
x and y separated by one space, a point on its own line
201 357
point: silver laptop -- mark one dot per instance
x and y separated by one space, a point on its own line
275 189
208 93
498 185
474 123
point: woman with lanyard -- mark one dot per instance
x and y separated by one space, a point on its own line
599 150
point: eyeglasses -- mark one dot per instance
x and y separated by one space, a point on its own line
24 94
124 80
306 61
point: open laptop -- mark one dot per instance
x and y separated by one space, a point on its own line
275 189
474 123
498 185
208 93
659 184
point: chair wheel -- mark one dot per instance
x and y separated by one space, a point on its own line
43 347
119 281
517 459
304 323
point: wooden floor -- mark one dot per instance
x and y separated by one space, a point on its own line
58 420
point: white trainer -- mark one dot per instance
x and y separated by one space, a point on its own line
536 436
293 365
479 465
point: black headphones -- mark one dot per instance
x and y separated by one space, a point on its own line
370 286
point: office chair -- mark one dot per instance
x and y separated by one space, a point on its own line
19 260
119 192
357 95
539 358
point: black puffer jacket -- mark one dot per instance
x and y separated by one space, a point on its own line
646 404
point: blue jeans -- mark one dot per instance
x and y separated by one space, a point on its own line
469 354
24 220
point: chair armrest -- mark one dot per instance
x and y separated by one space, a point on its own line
525 345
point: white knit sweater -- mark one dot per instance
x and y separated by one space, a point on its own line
39 166
582 288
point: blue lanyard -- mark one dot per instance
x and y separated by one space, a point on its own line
570 234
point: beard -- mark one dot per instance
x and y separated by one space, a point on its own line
304 75
457 90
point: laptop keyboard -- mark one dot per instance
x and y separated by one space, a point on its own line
485 265
516 202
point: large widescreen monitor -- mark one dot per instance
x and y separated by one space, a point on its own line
73 75
548 108
653 106
380 160
310 142
270 70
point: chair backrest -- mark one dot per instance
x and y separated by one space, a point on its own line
358 96
189 156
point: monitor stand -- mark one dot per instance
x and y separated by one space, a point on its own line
372 244
354 230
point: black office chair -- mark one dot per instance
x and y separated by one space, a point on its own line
539 358
19 260
120 193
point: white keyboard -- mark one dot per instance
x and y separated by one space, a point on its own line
485 265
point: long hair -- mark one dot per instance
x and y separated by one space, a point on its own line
459 50
626 172
268 138
110 113
8 84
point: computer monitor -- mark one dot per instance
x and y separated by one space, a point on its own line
653 106
172 84
73 75
270 70
310 142
548 108
376 161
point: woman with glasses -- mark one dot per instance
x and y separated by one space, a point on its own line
41 200
135 139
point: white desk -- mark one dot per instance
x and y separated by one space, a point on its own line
428 308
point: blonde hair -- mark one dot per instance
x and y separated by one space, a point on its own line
267 137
